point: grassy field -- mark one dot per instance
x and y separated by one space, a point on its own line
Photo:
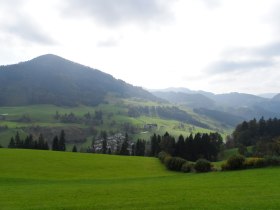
57 180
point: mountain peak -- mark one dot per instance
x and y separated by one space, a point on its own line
48 58
51 79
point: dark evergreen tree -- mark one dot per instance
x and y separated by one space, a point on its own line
104 146
35 145
12 143
74 149
104 135
55 145
140 147
41 142
61 142
18 142
46 146
28 142
133 149
189 142
180 148
155 141
124 148
167 144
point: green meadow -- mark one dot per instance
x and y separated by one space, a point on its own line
113 112
63 180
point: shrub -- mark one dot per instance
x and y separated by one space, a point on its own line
166 160
187 167
235 162
162 155
254 163
202 165
272 160
225 167
175 163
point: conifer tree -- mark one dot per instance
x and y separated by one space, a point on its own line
55 146
103 135
74 148
124 148
18 143
180 149
41 142
12 143
61 143
46 146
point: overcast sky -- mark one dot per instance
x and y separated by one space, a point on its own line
213 45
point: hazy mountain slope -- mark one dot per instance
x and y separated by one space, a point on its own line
267 95
50 79
184 90
237 99
191 100
220 116
276 98
228 108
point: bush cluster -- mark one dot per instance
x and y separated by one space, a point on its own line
254 163
187 167
175 163
235 162
272 160
163 155
202 165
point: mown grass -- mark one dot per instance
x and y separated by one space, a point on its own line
58 180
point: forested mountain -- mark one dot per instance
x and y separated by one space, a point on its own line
229 108
237 99
223 117
50 79
189 99
276 98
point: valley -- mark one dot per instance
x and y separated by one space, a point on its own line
57 105
115 119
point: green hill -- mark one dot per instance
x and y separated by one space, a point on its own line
50 79
58 180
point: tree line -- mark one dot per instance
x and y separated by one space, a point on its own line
28 142
263 135
58 143
191 148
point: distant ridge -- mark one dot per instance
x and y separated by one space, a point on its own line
276 98
50 79
226 107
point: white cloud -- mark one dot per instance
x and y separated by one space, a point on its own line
115 13
152 43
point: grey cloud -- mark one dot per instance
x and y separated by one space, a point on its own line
112 12
269 50
28 31
266 51
257 58
21 25
234 66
